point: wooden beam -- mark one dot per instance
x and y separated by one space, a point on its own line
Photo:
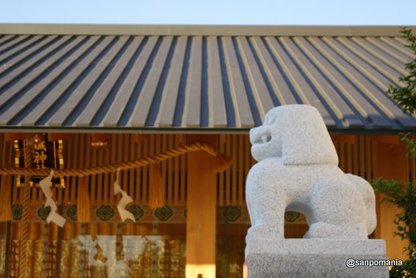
83 201
390 140
8 249
100 137
59 249
201 213
18 136
139 137
5 198
392 164
6 205
349 139
60 136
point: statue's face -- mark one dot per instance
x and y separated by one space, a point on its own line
265 140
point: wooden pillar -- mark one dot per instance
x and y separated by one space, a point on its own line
201 213
5 185
392 164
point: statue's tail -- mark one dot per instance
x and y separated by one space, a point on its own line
369 198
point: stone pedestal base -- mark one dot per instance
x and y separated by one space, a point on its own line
316 258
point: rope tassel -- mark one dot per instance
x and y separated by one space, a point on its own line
45 184
125 200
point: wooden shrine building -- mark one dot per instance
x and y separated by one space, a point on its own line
169 108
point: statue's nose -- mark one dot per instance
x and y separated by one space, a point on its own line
253 134
257 132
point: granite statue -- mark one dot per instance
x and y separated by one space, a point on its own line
297 170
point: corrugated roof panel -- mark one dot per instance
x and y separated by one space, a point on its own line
14 47
170 92
353 83
124 101
78 63
313 69
193 82
23 62
88 82
216 98
192 107
279 86
18 81
303 82
255 78
144 66
148 106
99 103
95 83
238 92
329 85
54 68
375 83
70 68
6 38
395 46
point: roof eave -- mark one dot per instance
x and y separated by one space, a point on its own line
154 130
198 30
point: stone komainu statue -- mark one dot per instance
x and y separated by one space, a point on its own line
297 170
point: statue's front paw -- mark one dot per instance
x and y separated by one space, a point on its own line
264 232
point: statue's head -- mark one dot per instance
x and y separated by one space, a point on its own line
295 133
266 139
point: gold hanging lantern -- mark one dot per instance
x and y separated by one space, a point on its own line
99 140
44 154
17 158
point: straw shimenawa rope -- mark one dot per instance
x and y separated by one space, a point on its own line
222 163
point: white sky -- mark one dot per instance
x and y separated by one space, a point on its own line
254 12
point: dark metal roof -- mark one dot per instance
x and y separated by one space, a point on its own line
197 82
